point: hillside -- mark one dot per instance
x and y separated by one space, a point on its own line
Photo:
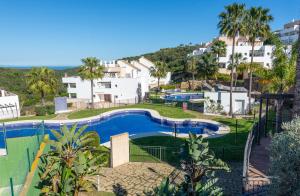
176 58
13 80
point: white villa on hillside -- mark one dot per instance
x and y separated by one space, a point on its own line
9 105
290 32
262 53
124 82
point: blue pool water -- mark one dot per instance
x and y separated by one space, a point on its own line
136 122
184 97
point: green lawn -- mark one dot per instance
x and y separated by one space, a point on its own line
164 110
30 118
224 147
15 165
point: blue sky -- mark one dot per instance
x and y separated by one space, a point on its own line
61 32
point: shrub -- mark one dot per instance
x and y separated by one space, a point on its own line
44 110
168 86
285 160
223 77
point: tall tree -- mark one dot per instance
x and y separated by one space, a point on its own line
42 81
192 68
257 22
280 78
159 71
91 69
207 66
296 106
231 24
238 59
219 49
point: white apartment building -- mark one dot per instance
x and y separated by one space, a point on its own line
290 32
124 82
9 105
262 53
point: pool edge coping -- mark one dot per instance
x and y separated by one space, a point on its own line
223 129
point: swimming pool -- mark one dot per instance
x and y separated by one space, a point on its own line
184 96
135 122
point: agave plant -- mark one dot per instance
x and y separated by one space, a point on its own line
75 157
199 164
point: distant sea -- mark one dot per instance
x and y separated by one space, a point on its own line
54 67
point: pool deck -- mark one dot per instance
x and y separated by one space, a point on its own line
223 129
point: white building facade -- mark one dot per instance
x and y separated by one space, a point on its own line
262 53
124 82
290 32
9 105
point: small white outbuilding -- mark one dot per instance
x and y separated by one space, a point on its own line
221 98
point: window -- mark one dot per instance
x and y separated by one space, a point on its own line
104 84
112 75
73 95
245 54
72 85
222 65
257 53
66 85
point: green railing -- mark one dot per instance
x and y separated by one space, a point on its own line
16 164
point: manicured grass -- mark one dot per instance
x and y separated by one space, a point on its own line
33 189
164 110
229 147
30 118
15 165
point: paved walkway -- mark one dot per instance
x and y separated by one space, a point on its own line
259 164
140 178
133 178
62 116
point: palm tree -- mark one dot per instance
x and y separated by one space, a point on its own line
91 70
280 78
42 81
238 59
232 24
70 163
192 68
257 22
219 48
208 66
296 106
159 71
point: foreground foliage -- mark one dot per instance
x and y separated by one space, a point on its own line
199 165
75 157
285 160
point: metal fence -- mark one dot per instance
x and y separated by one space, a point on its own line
171 155
199 107
21 152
